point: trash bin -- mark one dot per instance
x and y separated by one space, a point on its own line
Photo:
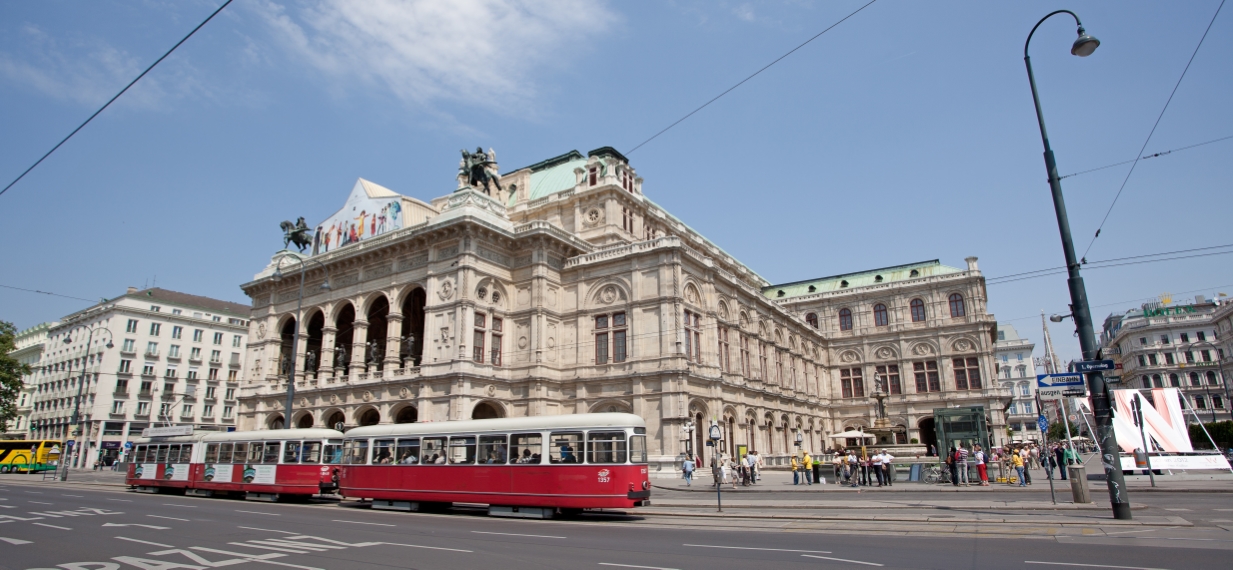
817 472
1078 484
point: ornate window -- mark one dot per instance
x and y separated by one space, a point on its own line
1194 379
890 378
745 356
610 333
763 366
497 325
879 315
845 320
724 364
477 347
927 379
918 311
693 336
967 374
812 319
779 367
1211 378
1174 381
850 383
956 306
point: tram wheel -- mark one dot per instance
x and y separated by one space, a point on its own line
570 512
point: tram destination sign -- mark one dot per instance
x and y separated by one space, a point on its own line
1058 386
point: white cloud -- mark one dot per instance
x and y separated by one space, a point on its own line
744 12
481 52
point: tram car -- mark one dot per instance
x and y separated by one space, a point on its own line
262 465
531 467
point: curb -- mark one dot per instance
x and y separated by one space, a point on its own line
883 519
924 488
1044 507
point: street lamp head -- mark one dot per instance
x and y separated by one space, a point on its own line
325 285
1057 318
1084 45
278 274
110 345
68 339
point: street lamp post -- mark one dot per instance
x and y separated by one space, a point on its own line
299 317
717 471
81 381
1083 46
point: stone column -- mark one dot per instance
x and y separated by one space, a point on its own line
393 341
359 348
325 362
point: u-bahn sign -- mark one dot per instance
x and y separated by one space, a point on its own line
1058 386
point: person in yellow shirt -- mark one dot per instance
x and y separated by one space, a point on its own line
807 468
1017 461
796 471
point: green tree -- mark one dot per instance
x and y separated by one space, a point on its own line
11 372
1057 431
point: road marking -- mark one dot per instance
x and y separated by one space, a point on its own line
143 525
185 506
632 566
35 492
266 529
77 496
168 518
257 513
1223 510
14 540
1130 531
274 548
53 526
752 548
427 547
40 503
1088 565
843 560
122 500
1178 510
144 542
512 534
358 522
262 558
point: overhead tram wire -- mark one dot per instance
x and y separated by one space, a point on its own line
1060 268
1139 156
1037 316
1154 155
742 82
1141 262
113 99
48 293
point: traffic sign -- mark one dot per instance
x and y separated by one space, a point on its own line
128 445
1042 423
1058 386
70 443
1094 365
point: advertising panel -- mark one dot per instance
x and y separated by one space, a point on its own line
260 474
370 210
1179 462
175 472
218 473
1164 424
146 471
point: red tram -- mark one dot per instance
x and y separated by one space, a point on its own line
524 467
264 465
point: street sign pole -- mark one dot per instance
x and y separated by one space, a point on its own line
1043 424
1137 406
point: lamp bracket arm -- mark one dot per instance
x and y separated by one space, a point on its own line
1042 20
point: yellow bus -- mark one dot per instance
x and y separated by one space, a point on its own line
29 455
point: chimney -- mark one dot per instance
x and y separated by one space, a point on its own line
131 290
971 263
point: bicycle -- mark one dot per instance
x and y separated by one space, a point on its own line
937 474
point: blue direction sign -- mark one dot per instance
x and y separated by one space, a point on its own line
1058 386
1094 366
1043 424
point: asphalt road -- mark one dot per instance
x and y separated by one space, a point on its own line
83 528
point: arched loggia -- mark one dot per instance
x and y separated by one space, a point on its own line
413 327
378 324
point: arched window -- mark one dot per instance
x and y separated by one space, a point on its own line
879 315
1147 382
845 320
1156 382
918 311
956 306
1194 379
1174 381
812 319
1211 378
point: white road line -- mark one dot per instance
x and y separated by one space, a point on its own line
40 503
274 548
1088 565
53 526
262 558
843 560
266 529
257 513
175 505
35 492
632 566
145 542
78 496
512 534
14 540
1131 531
122 500
358 522
427 547
168 518
752 548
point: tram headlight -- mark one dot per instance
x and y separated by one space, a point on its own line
646 485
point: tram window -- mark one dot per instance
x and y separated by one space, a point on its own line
432 451
383 451
139 454
240 455
462 449
356 451
526 448
606 447
408 451
291 452
254 452
224 453
271 452
637 449
161 454
173 453
492 449
333 452
566 447
211 453
311 451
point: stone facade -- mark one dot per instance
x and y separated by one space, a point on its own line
1017 373
569 291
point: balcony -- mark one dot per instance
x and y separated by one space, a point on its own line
151 354
194 359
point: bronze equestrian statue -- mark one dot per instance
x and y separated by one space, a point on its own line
297 233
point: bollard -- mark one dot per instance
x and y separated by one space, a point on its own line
1078 484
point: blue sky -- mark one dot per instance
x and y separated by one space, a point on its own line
906 133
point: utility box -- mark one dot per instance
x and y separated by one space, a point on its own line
1078 484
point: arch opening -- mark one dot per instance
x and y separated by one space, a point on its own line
285 346
407 415
486 411
345 323
337 420
378 326
370 417
312 354
412 337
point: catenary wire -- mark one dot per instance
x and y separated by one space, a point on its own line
1153 155
1139 156
1061 271
1054 269
48 293
764 68
1037 316
113 99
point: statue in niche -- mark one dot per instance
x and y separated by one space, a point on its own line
340 357
374 354
408 348
310 363
284 365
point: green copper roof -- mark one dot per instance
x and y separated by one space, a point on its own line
553 175
860 279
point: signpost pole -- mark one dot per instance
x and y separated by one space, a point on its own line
1147 451
1043 424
